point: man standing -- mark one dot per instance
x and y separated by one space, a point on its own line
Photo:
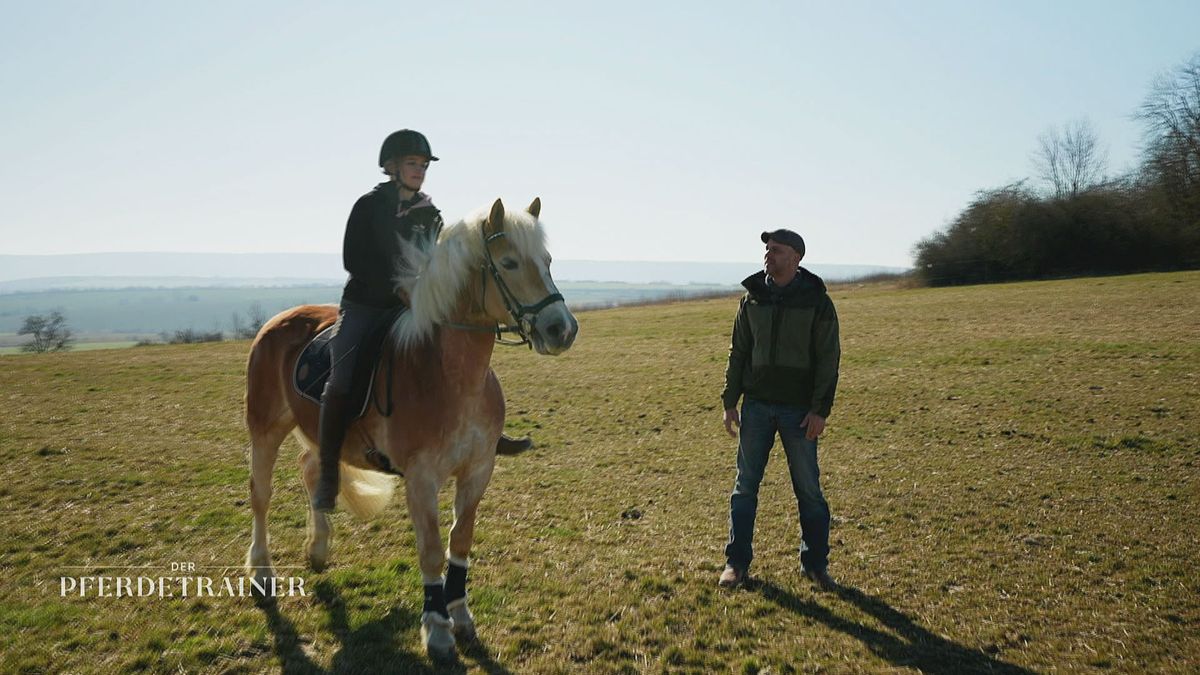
784 360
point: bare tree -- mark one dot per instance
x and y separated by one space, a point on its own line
1070 159
255 317
190 336
237 328
50 333
1172 116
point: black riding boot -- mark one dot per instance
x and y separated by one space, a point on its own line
330 434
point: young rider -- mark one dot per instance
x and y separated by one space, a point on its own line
371 254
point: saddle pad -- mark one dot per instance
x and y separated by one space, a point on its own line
313 365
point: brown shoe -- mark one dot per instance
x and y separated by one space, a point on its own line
513 446
822 579
731 577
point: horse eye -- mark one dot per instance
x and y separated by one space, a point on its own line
508 264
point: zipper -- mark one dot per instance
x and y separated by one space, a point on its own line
775 314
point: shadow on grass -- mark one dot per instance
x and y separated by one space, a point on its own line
372 647
912 646
292 658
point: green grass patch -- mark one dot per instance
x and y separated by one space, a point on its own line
1012 471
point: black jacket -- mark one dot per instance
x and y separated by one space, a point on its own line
785 346
371 249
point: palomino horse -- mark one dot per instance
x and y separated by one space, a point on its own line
488 270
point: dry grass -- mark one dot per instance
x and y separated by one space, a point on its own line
1010 470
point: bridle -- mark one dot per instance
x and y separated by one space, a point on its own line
523 316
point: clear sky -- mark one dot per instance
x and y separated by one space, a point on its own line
651 130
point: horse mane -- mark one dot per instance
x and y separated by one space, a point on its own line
434 274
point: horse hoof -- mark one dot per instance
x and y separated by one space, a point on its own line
463 622
442 651
259 570
260 587
437 634
466 633
318 556
442 654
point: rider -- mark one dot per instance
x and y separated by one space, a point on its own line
371 254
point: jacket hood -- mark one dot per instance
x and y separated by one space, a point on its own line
756 283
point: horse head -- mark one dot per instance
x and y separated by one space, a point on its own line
519 289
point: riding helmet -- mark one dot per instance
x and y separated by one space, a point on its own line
405 142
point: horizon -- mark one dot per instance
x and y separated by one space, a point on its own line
865 127
234 253
30 273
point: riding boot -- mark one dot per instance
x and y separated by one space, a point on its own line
508 445
330 434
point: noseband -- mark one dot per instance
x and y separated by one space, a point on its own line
523 316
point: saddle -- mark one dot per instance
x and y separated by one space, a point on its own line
315 363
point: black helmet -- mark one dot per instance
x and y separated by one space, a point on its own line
405 142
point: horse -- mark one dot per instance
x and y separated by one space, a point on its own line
484 275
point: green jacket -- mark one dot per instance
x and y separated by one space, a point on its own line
785 345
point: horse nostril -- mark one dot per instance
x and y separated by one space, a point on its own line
557 330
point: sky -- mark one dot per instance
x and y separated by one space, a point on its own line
673 131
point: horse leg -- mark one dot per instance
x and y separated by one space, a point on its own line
421 490
316 542
469 489
264 450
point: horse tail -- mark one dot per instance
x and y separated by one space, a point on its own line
363 492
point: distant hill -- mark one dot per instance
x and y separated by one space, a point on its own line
646 272
319 266
109 296
41 284
25 273
131 313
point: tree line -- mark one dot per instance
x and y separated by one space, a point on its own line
239 329
50 333
1074 219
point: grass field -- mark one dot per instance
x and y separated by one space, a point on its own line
78 346
1010 470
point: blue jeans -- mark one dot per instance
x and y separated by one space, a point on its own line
760 422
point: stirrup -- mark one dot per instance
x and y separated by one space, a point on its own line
513 446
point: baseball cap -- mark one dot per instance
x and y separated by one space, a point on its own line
786 237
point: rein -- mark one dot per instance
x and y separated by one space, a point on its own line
523 316
523 319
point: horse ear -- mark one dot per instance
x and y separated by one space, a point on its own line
535 208
496 219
